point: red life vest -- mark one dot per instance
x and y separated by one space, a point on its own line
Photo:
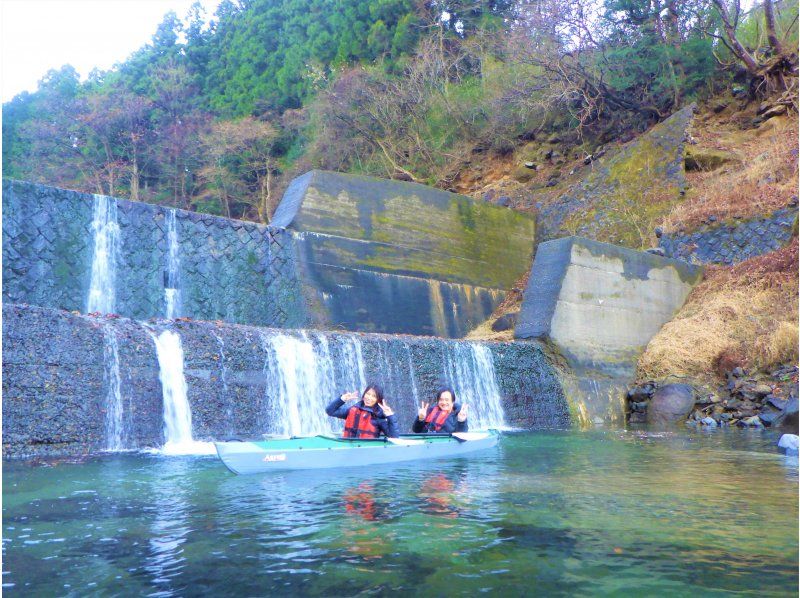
436 418
358 424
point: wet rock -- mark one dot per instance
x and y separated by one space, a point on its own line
777 402
530 165
737 372
639 407
670 404
769 416
638 418
708 422
659 232
789 443
656 251
641 393
751 422
505 322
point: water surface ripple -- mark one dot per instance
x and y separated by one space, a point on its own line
556 513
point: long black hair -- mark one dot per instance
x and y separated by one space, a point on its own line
378 391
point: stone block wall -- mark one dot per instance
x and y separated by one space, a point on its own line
732 242
229 270
56 381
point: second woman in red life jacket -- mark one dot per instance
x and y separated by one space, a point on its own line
370 417
445 416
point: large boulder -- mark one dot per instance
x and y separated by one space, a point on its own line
670 404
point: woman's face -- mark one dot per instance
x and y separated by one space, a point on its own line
370 398
446 401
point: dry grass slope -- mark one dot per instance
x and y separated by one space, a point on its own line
745 315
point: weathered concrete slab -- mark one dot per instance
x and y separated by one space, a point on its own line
599 305
408 229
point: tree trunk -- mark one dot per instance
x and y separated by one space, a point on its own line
738 49
769 16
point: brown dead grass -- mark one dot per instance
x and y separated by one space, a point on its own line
765 181
512 302
748 311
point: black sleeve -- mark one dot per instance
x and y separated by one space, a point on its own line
338 408
391 427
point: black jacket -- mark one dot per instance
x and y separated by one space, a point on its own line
451 424
387 425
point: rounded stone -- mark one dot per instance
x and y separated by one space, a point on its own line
670 404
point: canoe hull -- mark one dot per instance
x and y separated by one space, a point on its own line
258 457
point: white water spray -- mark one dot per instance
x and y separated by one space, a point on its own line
115 426
299 384
172 291
471 369
177 412
102 288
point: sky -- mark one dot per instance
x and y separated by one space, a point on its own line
39 35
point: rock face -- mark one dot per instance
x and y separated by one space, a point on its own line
670 404
359 254
600 304
593 207
56 382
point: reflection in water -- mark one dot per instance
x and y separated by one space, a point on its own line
439 496
169 529
568 513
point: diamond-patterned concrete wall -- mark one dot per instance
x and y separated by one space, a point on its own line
229 270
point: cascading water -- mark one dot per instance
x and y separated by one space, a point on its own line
299 383
172 291
102 288
115 424
177 412
470 368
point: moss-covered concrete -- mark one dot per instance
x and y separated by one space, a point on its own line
626 192
409 229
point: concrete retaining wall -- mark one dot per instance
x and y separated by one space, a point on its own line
426 262
599 305
56 383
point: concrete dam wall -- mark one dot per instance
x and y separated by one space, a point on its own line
74 384
425 262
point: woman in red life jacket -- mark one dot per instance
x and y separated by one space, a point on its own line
446 416
368 418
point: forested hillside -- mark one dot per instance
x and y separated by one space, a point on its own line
218 116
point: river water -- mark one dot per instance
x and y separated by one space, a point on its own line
547 513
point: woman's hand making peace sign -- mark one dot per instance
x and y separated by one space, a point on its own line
423 411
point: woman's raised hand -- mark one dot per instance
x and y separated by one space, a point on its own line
387 411
423 411
350 396
462 413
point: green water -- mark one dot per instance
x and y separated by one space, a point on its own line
569 513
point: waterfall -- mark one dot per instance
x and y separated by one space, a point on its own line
412 377
177 412
471 369
102 290
172 291
352 363
299 383
115 426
